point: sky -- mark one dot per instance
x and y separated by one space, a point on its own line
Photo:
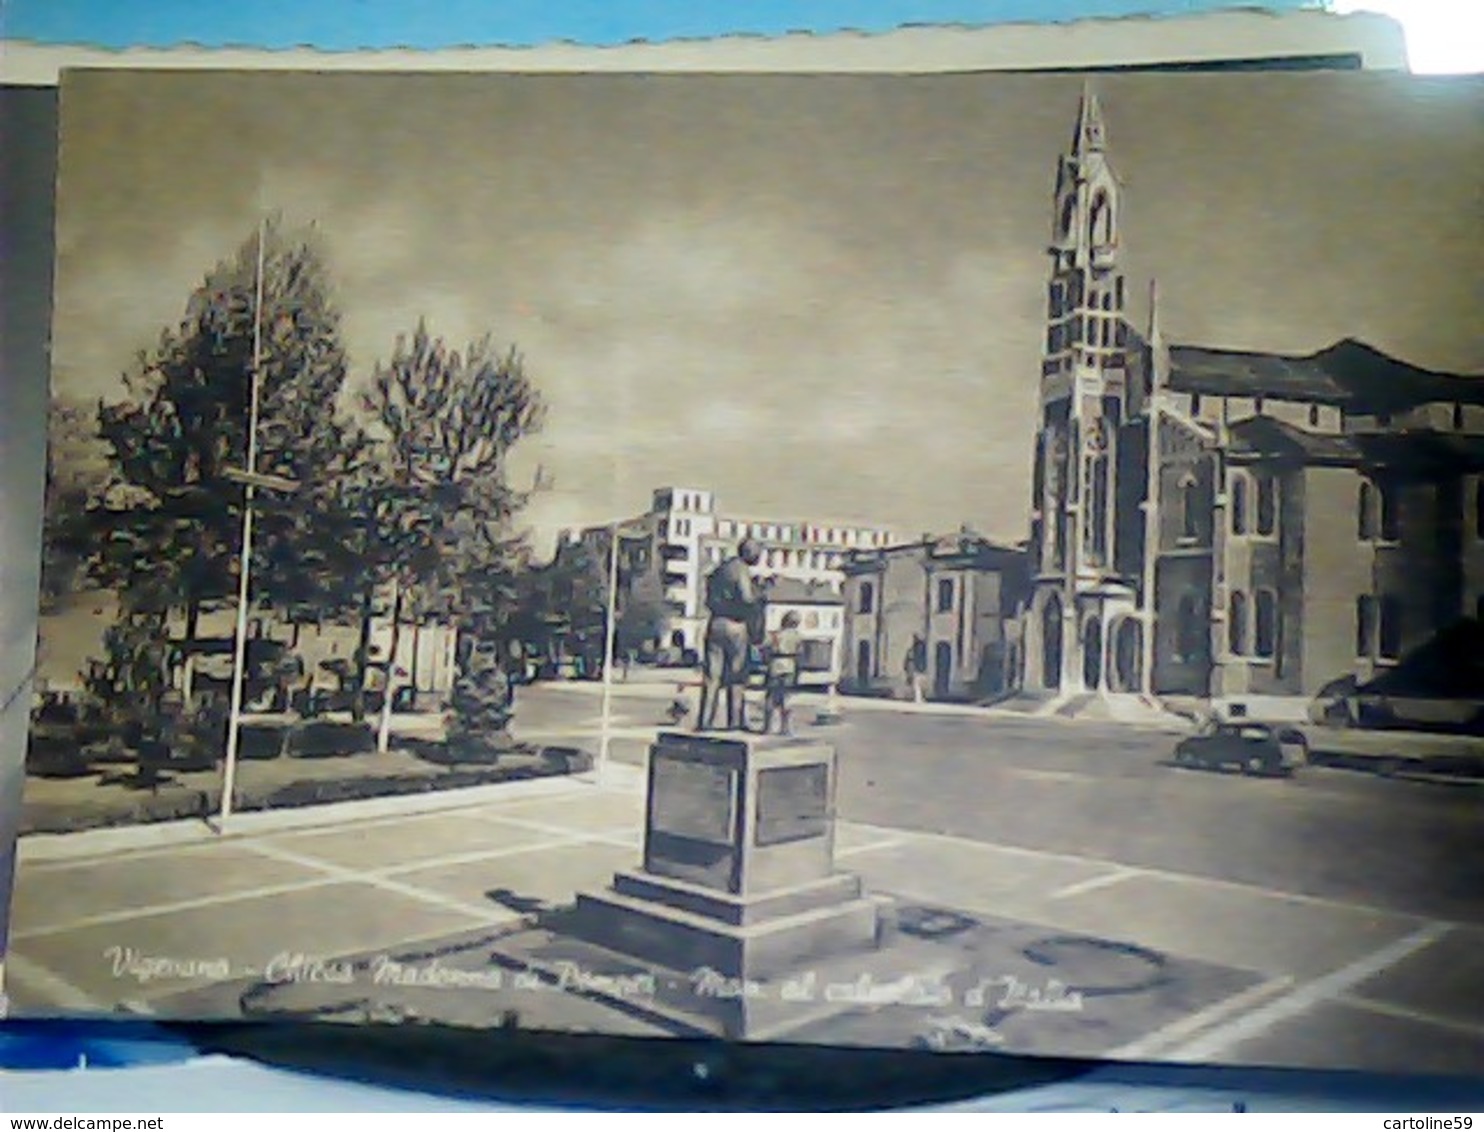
352 24
819 297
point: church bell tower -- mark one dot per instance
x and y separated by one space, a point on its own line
1084 377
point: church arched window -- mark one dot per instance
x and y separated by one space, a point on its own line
1191 629
1267 505
1377 519
1190 507
1236 623
1239 506
1100 221
1068 214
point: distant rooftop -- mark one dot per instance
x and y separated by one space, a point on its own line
795 591
964 541
1414 450
1351 374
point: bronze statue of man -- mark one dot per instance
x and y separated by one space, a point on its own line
734 626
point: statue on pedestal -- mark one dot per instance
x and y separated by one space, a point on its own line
735 610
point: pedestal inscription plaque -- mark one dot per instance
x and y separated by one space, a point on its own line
738 873
793 804
693 800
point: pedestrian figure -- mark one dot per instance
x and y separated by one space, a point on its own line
783 672
734 607
915 665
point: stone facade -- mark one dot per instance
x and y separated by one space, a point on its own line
684 536
1231 525
959 595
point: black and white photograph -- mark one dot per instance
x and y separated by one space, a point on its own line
959 562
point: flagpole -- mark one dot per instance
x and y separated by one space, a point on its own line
244 567
610 635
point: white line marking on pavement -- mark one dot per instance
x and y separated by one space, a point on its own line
140 912
38 850
480 913
872 847
1425 1017
1177 1031
1036 774
1139 871
23 972
1211 1045
553 830
470 857
1092 884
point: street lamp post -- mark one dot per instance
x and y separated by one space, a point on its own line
617 533
251 480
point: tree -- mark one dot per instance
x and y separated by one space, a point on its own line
642 613
76 475
565 600
168 530
438 500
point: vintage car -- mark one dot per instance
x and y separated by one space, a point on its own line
1252 748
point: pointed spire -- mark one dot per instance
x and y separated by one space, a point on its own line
1089 137
1159 354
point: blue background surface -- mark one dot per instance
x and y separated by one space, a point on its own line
351 24
361 24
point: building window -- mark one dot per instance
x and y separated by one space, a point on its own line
1365 625
1098 512
1195 404
945 595
1190 508
1236 623
868 597
1378 627
1239 504
1257 406
1313 416
1377 517
1192 639
1265 638
1267 504
1100 222
1389 646
1458 416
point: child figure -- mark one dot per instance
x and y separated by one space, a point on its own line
680 706
783 672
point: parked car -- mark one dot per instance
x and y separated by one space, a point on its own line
1252 748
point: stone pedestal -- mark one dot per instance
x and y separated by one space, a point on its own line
738 873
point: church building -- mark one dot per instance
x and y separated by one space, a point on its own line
1219 524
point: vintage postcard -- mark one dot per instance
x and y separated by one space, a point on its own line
987 562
